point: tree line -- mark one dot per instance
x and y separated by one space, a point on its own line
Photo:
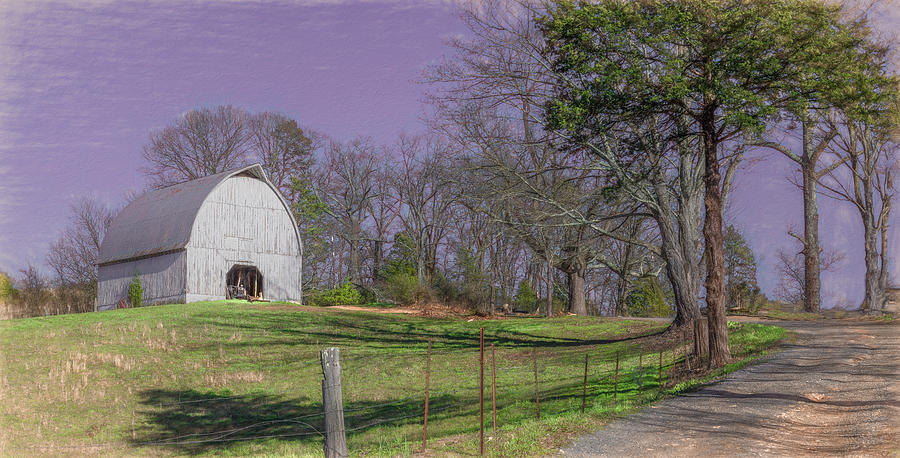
579 159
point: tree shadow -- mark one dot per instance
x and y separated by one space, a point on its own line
390 333
192 422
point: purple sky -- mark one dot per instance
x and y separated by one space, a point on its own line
83 82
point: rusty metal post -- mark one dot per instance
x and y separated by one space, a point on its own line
584 384
674 376
481 396
687 350
537 398
494 388
427 388
616 385
659 372
640 375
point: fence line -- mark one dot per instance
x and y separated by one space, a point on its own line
577 373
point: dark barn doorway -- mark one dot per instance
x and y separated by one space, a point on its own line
244 282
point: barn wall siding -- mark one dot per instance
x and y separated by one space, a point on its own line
207 269
162 279
244 222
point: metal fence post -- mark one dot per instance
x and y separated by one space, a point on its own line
537 397
494 388
584 384
481 393
616 386
640 375
427 387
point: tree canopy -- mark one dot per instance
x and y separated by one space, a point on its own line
704 71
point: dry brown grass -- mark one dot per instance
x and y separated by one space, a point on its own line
223 379
118 361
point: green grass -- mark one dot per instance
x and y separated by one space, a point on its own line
127 382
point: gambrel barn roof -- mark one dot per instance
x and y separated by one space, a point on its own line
162 221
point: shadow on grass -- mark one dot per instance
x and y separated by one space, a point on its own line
194 422
391 333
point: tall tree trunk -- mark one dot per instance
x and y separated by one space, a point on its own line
420 263
575 280
575 266
679 234
354 262
622 285
548 310
680 263
377 257
719 353
874 299
811 273
885 274
355 267
685 291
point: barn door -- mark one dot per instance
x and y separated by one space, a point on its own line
243 282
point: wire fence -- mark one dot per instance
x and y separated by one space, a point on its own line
460 392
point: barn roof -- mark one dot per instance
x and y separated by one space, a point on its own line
161 221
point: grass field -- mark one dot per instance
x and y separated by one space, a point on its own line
244 379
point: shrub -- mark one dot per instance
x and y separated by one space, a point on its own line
647 299
445 289
477 297
401 287
346 294
7 292
136 292
399 282
526 299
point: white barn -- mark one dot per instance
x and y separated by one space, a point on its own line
190 241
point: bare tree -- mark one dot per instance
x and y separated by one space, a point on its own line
34 292
490 99
353 170
73 256
384 208
791 269
422 186
201 142
866 181
815 136
283 148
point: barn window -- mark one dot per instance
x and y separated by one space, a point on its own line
244 282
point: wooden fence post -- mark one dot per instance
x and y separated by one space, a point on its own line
427 388
332 403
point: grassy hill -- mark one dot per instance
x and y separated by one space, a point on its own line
242 379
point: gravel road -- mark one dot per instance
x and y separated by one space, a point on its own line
832 392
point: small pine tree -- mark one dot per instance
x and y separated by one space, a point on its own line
136 292
526 299
647 299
